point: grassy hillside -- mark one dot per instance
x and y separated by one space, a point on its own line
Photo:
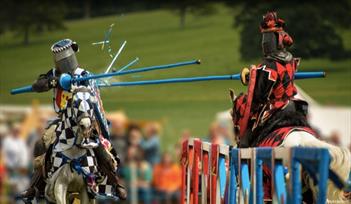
155 38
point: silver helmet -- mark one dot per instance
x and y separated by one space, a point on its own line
64 55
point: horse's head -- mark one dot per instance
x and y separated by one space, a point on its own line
83 101
237 113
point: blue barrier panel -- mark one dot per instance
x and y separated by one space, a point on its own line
233 164
246 178
316 162
222 175
279 182
263 157
245 181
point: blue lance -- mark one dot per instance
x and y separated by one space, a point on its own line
66 80
145 69
298 75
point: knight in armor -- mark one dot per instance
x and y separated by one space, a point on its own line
64 53
271 88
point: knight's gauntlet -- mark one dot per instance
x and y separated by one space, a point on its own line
41 84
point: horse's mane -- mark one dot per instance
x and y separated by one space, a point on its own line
280 119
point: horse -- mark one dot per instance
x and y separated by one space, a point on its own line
290 128
73 163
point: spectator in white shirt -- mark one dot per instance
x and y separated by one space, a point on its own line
15 151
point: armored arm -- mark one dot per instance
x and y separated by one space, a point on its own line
45 82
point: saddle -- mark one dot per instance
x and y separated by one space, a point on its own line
292 115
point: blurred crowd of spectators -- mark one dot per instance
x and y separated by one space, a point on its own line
150 175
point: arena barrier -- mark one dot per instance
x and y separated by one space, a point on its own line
213 174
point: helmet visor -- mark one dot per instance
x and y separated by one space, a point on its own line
67 64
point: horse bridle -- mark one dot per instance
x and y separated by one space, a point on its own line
86 114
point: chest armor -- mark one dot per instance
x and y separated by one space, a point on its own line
62 98
284 87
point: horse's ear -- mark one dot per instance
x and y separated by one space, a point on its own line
232 95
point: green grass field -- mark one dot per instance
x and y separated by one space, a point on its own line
155 38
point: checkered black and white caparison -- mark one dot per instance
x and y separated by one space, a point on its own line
81 105
87 166
87 162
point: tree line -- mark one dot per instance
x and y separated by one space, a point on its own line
315 24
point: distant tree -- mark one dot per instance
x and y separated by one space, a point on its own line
26 16
197 7
312 24
87 9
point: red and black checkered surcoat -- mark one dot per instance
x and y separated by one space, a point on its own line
274 88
